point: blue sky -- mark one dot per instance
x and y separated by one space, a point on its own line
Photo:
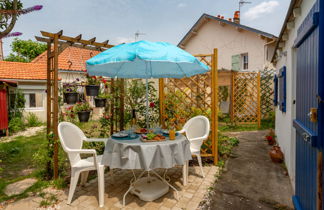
160 20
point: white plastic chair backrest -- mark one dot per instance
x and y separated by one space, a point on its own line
71 137
197 127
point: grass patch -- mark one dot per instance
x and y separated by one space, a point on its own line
225 147
17 156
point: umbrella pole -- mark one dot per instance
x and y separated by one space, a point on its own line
147 105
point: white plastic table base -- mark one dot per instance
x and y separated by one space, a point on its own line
149 188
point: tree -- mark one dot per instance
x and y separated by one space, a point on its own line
25 50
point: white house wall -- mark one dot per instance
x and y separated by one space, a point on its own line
284 121
229 41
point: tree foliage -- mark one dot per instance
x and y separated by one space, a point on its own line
25 50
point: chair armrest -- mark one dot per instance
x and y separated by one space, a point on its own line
198 139
86 151
104 140
182 131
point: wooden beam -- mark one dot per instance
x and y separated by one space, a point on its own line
182 46
42 39
74 40
296 12
214 106
79 37
92 40
105 42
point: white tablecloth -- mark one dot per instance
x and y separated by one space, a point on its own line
135 154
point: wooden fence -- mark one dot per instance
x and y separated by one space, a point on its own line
181 99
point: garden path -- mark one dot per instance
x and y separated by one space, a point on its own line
28 132
250 179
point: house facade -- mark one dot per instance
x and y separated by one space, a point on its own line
31 77
240 48
285 57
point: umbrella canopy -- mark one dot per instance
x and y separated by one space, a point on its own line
144 59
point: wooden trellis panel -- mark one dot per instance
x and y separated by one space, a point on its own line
267 92
188 97
246 98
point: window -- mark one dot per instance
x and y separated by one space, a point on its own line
33 100
245 61
280 89
240 62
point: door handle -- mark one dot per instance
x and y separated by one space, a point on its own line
306 137
313 115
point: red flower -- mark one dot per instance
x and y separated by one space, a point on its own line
269 138
152 104
104 81
94 77
107 117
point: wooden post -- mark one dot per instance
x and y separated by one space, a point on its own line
55 106
161 99
49 89
259 99
232 96
319 199
214 106
122 103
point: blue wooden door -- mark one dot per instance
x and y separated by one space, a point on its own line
309 81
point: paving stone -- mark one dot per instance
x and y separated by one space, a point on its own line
19 187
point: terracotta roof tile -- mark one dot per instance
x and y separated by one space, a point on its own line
71 59
26 71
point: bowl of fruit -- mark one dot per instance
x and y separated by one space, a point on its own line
151 137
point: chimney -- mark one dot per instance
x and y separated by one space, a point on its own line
236 17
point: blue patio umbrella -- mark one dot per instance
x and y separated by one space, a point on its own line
144 59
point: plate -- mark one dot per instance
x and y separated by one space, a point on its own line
120 135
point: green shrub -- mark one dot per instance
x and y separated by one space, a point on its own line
16 124
32 120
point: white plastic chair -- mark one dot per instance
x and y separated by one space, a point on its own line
197 130
71 138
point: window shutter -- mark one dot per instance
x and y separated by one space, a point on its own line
282 89
275 97
236 62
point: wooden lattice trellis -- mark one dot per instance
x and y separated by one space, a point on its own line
246 98
188 97
266 92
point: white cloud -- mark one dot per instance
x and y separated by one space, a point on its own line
180 5
261 9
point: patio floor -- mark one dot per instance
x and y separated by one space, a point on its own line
115 186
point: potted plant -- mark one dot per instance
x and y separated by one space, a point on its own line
271 137
276 154
70 93
100 100
93 84
83 109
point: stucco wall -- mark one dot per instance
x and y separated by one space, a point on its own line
229 41
284 121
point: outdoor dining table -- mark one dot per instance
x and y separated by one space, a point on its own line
133 153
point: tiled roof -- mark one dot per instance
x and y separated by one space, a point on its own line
71 59
203 16
22 71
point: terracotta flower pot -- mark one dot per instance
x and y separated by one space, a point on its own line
276 154
92 90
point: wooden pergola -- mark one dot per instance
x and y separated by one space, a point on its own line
56 43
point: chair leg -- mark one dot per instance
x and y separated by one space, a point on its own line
84 177
200 164
185 173
74 181
101 184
